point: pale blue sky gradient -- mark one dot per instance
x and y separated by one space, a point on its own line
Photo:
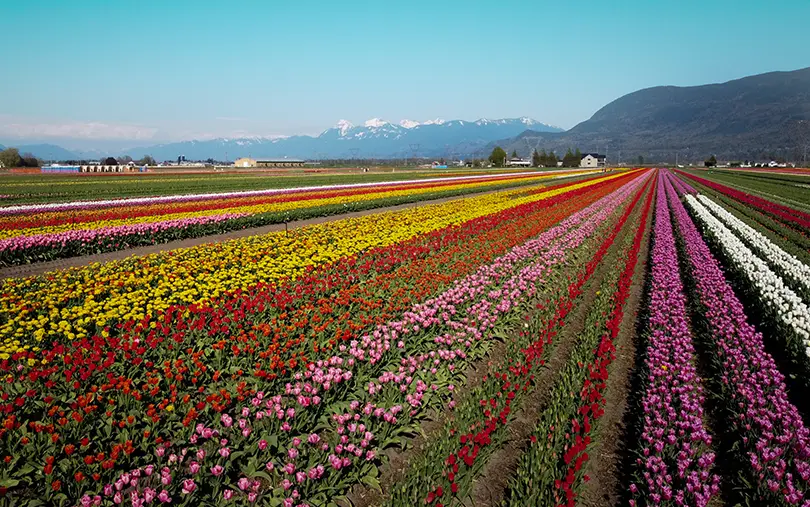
172 69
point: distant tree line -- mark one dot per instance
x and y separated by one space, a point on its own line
126 159
572 158
10 157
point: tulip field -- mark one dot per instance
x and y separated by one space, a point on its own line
635 337
38 232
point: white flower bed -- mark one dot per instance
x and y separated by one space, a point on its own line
787 264
789 308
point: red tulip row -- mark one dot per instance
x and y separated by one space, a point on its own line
787 215
479 427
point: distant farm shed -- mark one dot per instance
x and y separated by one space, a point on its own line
245 162
280 162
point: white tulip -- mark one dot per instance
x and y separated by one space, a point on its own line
786 263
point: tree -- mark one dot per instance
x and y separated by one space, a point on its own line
126 159
29 160
110 161
571 159
551 160
514 154
538 159
640 160
147 160
711 161
10 157
497 157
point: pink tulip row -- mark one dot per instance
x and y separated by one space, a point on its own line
363 400
676 467
106 234
774 438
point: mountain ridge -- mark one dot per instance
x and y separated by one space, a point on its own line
376 138
752 117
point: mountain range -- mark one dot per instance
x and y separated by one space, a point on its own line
376 138
765 116
756 117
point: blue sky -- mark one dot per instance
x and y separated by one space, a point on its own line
167 70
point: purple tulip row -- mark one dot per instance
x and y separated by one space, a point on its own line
88 236
681 186
676 467
367 392
774 438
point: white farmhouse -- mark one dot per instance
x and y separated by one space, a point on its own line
518 162
591 160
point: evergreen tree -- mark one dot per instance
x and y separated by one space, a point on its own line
537 159
570 159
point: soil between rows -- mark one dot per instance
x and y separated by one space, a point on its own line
399 460
490 488
605 468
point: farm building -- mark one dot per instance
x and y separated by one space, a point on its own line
518 162
592 160
244 162
280 162
99 168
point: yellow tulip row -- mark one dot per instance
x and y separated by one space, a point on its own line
77 302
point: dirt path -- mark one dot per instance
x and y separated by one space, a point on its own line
605 469
43 267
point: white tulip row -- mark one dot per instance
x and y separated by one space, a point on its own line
789 307
787 264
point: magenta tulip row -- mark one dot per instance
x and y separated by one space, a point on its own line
677 463
775 440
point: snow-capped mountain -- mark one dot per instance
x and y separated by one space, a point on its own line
376 138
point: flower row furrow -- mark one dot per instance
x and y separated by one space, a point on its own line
552 468
327 306
83 301
675 463
774 442
302 406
